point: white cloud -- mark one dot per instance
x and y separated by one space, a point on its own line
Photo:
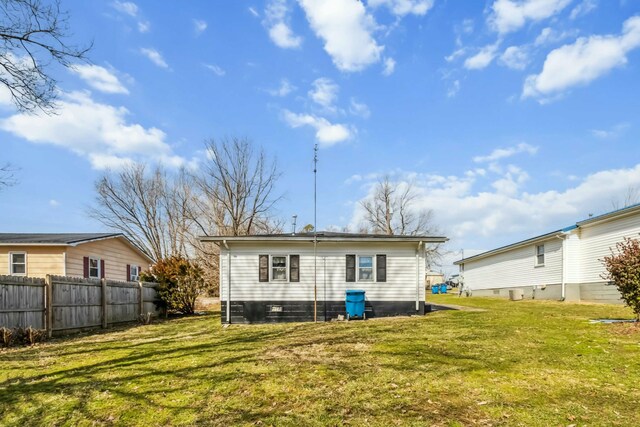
456 54
482 59
283 90
218 71
473 216
126 7
253 11
585 7
454 89
359 109
389 66
327 133
511 15
612 133
324 93
131 9
100 78
144 26
54 203
277 20
346 28
155 57
515 57
199 26
583 61
404 7
549 35
503 153
99 132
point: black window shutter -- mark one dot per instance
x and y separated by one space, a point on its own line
381 268
294 268
264 268
351 268
85 267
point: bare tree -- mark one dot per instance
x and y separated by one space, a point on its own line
631 197
32 36
237 185
392 210
151 210
7 176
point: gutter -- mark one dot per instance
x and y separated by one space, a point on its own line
224 242
418 276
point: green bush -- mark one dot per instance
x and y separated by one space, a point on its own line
623 269
180 282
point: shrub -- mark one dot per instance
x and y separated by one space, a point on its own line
180 282
623 269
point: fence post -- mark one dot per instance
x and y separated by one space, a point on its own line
103 286
141 290
48 305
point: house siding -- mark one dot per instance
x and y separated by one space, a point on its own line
516 268
114 252
598 239
41 260
398 294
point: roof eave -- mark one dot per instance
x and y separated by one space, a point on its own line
221 239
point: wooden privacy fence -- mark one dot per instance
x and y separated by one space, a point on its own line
59 303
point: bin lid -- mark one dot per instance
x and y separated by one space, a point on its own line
355 291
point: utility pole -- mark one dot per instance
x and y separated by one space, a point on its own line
315 232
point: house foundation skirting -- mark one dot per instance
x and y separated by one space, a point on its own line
586 292
302 311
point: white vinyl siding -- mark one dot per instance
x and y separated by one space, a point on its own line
516 267
598 239
331 264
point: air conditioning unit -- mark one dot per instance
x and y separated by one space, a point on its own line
516 294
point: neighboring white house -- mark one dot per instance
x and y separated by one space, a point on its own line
270 278
562 265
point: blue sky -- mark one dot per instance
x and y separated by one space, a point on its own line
510 118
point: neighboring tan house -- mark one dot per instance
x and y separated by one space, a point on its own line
270 278
562 265
84 255
433 278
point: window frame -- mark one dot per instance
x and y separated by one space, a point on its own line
538 255
11 263
132 277
373 268
286 268
91 258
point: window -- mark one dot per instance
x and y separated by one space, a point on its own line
365 268
279 268
94 268
18 261
134 273
381 268
540 255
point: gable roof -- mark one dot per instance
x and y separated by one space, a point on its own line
64 239
52 238
628 210
324 236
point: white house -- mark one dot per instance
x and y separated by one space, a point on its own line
288 277
562 265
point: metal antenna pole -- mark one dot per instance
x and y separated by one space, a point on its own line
315 233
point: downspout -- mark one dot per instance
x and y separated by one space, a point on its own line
418 276
64 260
563 284
224 242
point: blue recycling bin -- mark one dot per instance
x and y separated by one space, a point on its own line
435 289
354 301
443 288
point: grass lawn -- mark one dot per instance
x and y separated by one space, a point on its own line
517 363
